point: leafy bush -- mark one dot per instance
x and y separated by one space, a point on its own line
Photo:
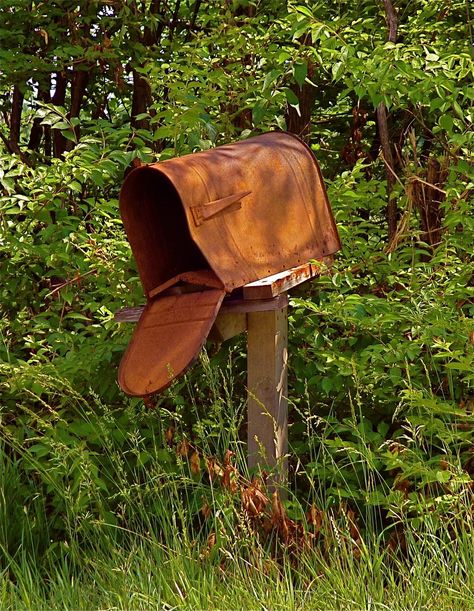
382 345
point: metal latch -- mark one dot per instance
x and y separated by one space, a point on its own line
204 212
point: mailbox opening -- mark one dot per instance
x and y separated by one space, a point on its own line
157 229
174 325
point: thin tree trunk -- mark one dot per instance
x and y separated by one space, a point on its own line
38 130
300 123
383 129
428 196
141 93
79 82
392 20
58 99
141 99
15 120
174 20
197 6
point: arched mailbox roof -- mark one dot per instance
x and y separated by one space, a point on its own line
205 224
253 208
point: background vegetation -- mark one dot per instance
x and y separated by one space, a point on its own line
155 508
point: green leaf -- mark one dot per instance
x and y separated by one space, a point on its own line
337 70
75 186
69 135
258 112
291 97
327 384
270 78
300 71
61 125
302 29
458 110
280 121
304 10
446 122
443 476
39 449
97 178
163 132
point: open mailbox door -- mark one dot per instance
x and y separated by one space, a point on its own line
203 225
171 332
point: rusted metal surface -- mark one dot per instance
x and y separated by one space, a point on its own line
206 224
275 212
169 335
204 212
204 278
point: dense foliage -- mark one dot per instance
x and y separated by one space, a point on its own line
382 346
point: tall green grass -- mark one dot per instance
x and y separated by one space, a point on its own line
100 509
166 568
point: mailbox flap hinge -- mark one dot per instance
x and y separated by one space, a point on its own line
204 212
204 278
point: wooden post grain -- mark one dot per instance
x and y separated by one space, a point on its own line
267 382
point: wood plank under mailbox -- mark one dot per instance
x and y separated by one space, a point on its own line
269 287
258 296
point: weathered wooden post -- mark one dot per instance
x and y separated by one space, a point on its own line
267 383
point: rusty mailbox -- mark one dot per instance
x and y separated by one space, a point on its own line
203 225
